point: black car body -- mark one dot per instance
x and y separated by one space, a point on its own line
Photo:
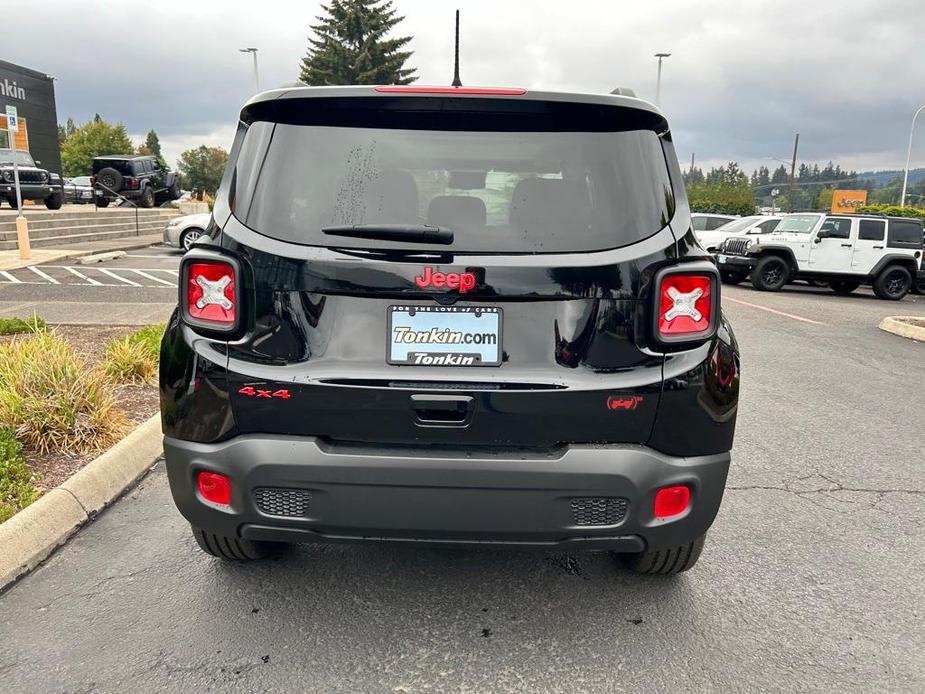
142 180
35 183
438 315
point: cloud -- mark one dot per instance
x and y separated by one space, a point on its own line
742 79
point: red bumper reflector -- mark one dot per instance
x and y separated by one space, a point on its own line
671 501
214 487
414 89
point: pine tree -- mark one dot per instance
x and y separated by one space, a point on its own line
349 46
153 143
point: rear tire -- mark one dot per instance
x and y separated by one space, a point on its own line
730 277
665 562
147 197
843 286
893 283
54 201
230 548
102 202
770 274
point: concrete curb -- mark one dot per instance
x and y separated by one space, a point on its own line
897 326
29 537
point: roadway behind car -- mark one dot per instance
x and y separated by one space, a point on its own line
823 515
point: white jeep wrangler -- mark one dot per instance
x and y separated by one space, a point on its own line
844 250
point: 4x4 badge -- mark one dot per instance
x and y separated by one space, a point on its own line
463 281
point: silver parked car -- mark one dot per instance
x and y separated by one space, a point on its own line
78 190
183 231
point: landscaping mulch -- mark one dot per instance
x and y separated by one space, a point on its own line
138 402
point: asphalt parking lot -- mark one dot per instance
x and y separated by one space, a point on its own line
136 289
812 577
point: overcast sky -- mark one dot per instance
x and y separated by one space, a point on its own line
744 75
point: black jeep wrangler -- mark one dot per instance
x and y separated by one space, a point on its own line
35 183
137 178
438 315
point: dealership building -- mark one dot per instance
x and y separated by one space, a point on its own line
33 95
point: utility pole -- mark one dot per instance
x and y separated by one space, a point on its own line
902 200
658 79
253 52
793 168
692 163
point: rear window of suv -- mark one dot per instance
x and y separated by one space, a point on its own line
525 191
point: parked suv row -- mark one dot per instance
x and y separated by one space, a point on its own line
845 251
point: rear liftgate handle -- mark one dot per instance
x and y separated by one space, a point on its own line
442 410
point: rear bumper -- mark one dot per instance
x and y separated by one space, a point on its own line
569 498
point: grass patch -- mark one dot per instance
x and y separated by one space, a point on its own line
17 488
52 400
14 326
134 358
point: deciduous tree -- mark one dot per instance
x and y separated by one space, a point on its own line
93 139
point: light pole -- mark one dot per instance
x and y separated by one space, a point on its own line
658 79
902 200
253 52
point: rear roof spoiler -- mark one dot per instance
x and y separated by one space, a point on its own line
622 96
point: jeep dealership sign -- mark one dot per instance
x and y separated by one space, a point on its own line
32 93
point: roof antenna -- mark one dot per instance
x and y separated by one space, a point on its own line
456 80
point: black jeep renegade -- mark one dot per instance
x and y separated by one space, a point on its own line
450 316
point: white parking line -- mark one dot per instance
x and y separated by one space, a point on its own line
774 311
175 273
152 277
10 277
117 277
43 275
78 273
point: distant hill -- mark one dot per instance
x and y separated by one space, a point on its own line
881 178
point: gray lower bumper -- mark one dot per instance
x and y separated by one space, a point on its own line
455 497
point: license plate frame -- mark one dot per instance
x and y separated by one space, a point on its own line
436 319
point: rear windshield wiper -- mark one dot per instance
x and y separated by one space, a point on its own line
415 233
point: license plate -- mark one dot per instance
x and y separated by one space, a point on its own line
444 335
86 194
721 258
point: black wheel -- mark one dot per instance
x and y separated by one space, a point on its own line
893 283
147 197
173 191
231 548
188 237
770 274
918 287
730 277
102 202
54 201
665 562
843 286
110 179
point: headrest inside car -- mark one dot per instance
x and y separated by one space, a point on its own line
457 212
